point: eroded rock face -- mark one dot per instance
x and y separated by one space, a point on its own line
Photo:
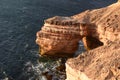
88 29
59 35
107 21
91 42
102 63
109 31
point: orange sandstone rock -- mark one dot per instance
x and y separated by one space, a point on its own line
102 63
59 36
107 21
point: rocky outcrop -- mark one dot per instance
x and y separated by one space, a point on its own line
102 63
107 22
59 36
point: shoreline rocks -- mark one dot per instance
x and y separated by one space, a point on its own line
102 63
59 36
101 27
99 64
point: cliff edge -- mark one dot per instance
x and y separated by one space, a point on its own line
100 27
102 63
107 22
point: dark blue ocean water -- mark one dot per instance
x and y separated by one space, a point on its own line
19 22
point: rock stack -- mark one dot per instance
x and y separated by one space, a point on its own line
59 36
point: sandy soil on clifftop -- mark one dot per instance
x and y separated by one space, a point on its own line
102 15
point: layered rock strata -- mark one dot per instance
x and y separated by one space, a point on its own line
102 63
59 36
107 21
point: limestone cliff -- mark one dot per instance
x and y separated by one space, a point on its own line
107 22
59 36
99 64
102 63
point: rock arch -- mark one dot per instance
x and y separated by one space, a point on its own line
60 36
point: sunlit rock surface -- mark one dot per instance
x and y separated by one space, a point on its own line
99 64
102 63
59 36
20 20
106 20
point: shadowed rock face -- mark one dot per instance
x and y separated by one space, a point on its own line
91 42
